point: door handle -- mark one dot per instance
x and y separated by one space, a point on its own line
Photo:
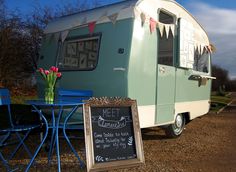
162 69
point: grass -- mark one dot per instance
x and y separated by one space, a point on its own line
19 96
218 102
22 99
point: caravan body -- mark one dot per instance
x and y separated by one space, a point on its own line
153 51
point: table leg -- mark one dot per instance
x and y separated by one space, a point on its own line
52 137
67 139
57 138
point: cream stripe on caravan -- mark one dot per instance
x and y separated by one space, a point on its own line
100 15
125 10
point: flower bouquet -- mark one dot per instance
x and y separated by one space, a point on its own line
50 76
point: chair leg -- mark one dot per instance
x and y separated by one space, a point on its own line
5 138
5 163
20 144
41 144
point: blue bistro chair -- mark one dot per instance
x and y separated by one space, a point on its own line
21 131
72 120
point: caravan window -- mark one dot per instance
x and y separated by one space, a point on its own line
201 61
80 53
166 44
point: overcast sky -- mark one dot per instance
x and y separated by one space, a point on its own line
217 17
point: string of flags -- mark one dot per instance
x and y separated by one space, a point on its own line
164 29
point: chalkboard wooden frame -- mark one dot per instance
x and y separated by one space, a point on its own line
109 103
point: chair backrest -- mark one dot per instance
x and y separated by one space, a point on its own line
6 100
74 95
4 96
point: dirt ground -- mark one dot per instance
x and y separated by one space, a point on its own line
207 144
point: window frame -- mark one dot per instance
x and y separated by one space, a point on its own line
78 39
174 36
208 66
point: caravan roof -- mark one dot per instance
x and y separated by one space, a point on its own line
123 10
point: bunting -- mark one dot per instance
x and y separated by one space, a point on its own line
161 28
91 26
103 16
167 29
143 18
172 28
113 18
202 48
153 24
212 48
63 35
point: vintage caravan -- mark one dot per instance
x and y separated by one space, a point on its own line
153 51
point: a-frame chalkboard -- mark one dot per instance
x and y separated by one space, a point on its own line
112 134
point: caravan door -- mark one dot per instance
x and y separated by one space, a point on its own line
165 72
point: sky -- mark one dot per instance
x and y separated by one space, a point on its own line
218 19
216 16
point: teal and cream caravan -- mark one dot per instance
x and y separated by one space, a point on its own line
153 51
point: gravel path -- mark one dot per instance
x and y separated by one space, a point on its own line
207 144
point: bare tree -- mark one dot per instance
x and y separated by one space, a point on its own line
20 38
222 80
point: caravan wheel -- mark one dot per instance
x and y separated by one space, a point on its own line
176 129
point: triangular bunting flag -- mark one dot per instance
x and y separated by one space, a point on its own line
206 48
172 28
152 24
113 18
202 49
91 26
103 16
209 48
64 35
167 28
161 28
199 48
143 18
212 47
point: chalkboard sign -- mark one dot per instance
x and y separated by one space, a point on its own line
112 134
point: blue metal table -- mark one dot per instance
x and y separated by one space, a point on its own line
55 125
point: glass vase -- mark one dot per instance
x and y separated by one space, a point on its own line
49 94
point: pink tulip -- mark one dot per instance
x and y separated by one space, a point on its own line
41 70
46 72
54 69
59 74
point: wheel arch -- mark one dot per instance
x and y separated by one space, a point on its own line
187 117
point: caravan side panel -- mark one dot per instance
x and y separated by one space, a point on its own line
106 79
142 72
